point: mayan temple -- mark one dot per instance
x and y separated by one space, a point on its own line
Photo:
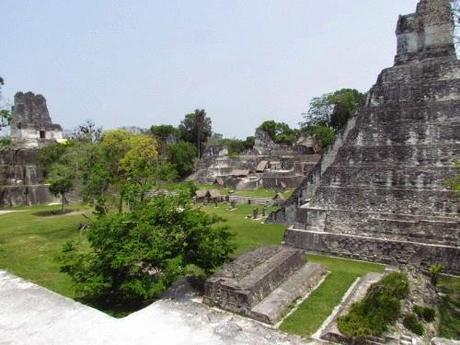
380 193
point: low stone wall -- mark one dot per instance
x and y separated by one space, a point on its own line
21 181
376 249
250 200
11 196
392 226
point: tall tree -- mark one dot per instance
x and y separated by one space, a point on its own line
61 181
196 128
165 134
280 132
330 113
182 156
333 109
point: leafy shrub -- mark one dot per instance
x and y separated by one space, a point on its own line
412 324
380 308
135 256
426 313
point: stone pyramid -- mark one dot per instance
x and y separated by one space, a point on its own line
379 193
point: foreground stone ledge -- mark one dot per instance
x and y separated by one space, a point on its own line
34 315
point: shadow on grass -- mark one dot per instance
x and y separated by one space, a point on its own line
113 307
120 307
49 213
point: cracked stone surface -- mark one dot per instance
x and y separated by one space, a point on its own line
31 314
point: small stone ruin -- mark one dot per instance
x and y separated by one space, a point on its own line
31 124
21 181
264 283
267 165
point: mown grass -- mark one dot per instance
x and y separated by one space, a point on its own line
30 245
313 312
249 234
31 242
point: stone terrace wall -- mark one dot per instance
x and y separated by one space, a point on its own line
380 193
21 182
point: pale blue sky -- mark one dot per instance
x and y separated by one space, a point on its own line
142 62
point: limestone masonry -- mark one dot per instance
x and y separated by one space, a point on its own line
31 124
267 165
264 283
21 181
380 192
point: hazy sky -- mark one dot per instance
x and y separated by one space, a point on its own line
139 62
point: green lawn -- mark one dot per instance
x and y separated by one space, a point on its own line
318 306
249 234
30 244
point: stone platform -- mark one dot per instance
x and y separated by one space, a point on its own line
263 283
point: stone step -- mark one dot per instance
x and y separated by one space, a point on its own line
275 305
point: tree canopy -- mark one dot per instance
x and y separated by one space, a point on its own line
134 256
333 109
237 146
196 128
330 113
280 132
182 156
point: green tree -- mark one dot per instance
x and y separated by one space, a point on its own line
330 113
323 133
196 128
333 109
51 154
280 132
182 155
139 167
134 256
165 134
117 170
61 181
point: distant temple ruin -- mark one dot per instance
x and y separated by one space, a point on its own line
380 192
31 124
267 165
21 181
